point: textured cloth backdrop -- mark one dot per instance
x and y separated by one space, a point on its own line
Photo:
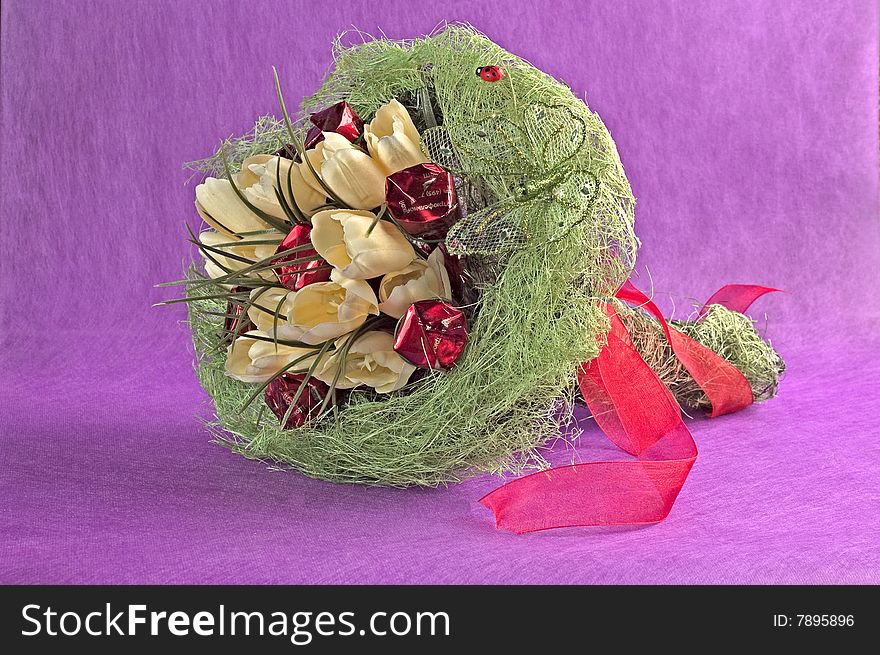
749 132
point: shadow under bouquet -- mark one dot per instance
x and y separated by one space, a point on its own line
418 276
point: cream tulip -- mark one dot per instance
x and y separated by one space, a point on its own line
260 176
265 303
256 181
326 310
369 361
222 209
216 267
347 170
340 237
393 140
254 360
421 280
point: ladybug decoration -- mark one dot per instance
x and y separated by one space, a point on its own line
490 73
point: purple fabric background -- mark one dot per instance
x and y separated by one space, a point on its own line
749 132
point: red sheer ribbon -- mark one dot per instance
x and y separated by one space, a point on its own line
737 297
639 414
726 388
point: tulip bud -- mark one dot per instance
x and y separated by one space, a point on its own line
347 170
266 304
369 361
255 361
344 238
220 207
256 181
420 280
327 310
217 265
393 140
262 174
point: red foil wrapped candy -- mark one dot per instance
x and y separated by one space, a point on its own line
313 137
235 316
339 118
297 276
460 280
281 392
422 199
432 334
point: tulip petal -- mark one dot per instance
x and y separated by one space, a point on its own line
340 237
220 207
334 143
326 310
360 299
237 359
257 182
252 253
316 159
257 360
247 177
383 122
355 178
327 238
370 361
306 197
383 251
397 150
274 300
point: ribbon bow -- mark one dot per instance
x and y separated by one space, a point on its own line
639 414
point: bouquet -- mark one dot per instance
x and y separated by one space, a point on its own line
420 274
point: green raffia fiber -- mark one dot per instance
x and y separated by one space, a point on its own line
267 135
733 336
539 315
729 334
